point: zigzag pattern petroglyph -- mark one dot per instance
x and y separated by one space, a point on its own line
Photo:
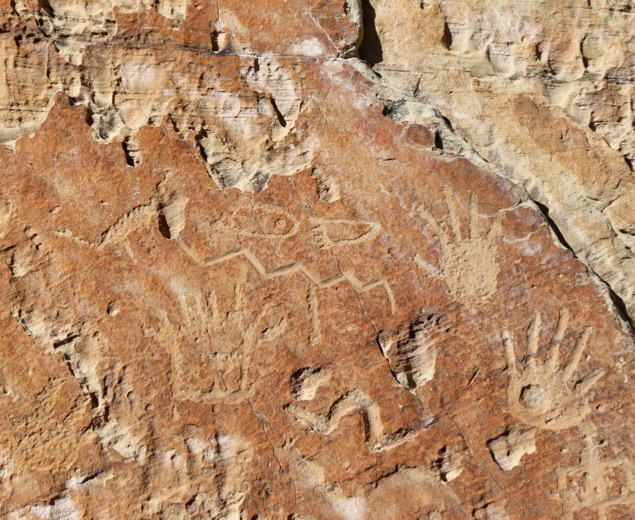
295 268
173 206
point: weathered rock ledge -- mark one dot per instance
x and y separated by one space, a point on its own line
317 259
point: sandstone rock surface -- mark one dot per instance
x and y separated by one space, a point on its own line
317 259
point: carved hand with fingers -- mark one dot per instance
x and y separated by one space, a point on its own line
545 394
469 263
216 366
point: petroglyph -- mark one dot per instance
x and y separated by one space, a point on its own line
543 394
216 366
598 483
306 382
207 476
257 220
354 401
468 264
296 268
160 379
165 207
508 448
338 232
138 217
411 351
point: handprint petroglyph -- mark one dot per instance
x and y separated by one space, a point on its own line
544 394
468 264
215 366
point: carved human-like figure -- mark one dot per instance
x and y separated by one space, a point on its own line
544 394
468 264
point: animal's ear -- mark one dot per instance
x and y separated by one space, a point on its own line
172 216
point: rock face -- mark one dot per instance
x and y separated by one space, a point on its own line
317 259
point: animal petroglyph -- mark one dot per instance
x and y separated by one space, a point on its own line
257 220
169 208
469 265
269 221
542 394
163 206
337 232
411 351
354 401
510 447
597 483
215 367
